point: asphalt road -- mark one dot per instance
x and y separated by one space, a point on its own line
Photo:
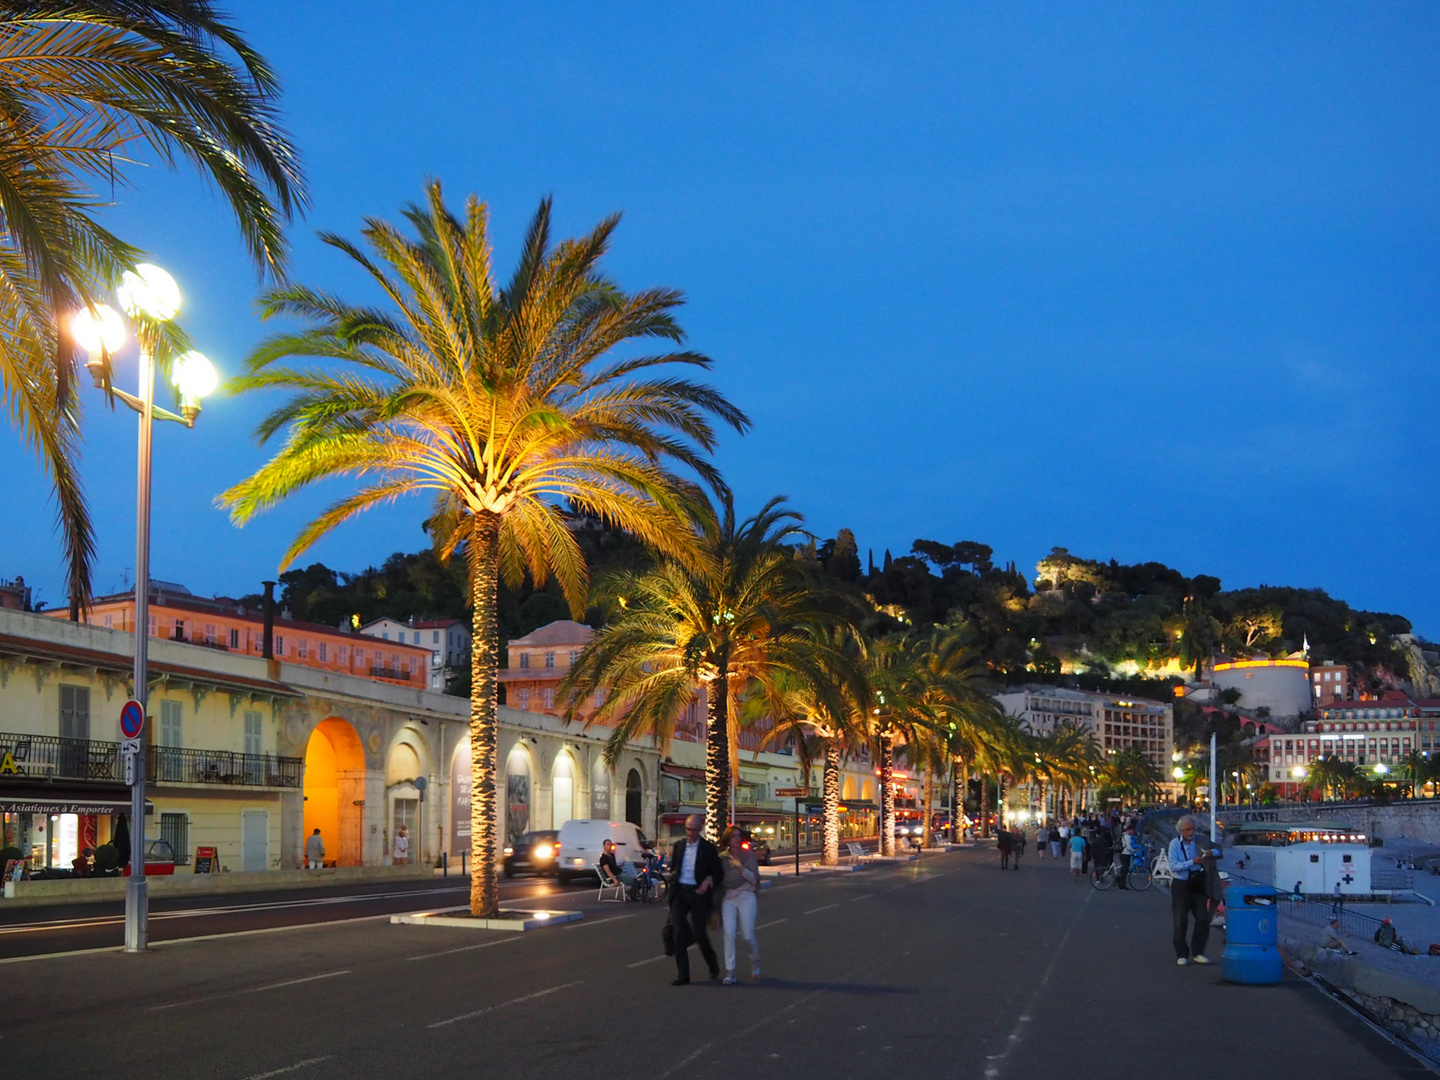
41 931
943 968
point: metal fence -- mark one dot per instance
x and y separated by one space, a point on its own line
48 757
1319 912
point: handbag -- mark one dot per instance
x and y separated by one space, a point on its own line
667 938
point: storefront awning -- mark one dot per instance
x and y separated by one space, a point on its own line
684 772
66 799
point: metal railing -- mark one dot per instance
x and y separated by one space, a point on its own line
49 757
1319 912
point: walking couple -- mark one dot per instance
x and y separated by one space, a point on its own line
701 873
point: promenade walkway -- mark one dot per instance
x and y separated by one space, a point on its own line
945 968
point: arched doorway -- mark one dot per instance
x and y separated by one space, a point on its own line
517 794
847 790
562 790
867 793
335 790
634 792
401 770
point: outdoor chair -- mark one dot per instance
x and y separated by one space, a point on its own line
609 883
857 851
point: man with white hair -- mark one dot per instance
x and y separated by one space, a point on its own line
1188 894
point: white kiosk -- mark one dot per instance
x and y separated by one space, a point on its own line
1324 868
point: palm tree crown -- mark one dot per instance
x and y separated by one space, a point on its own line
740 618
81 83
500 401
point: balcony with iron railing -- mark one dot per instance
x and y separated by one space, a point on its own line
49 757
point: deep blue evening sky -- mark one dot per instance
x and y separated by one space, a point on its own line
1145 286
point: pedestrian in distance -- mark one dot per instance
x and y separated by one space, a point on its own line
1055 841
1017 843
1189 894
1003 844
314 851
739 899
1077 855
400 853
696 875
1042 840
1129 851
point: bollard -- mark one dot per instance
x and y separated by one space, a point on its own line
445 864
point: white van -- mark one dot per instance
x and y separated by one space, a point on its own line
582 842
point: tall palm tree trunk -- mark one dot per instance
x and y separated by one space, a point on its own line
985 805
484 712
957 804
925 837
887 794
830 856
717 754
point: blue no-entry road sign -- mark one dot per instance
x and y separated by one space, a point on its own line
132 719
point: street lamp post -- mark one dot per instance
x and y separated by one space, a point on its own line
149 293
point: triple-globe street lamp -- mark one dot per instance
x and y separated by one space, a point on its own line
148 294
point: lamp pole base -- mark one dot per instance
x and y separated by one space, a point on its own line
137 910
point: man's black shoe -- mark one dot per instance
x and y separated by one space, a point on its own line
680 982
714 973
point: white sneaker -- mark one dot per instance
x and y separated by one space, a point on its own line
1202 959
1182 961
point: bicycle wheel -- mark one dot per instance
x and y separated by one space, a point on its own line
1139 878
655 892
1102 878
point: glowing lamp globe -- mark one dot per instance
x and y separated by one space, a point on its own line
98 331
149 291
194 376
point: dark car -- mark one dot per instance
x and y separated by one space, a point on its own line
533 853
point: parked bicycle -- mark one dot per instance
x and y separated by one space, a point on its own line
650 885
1138 879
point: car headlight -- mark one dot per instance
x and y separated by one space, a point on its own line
509 850
544 851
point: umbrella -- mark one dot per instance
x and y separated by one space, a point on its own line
120 837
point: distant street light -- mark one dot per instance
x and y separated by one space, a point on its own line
149 293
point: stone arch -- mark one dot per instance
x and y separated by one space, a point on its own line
847 789
335 790
867 791
403 765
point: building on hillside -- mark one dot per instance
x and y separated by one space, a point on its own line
1116 723
447 639
228 626
15 594
1366 734
1282 686
1329 682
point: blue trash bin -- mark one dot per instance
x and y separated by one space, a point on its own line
1252 953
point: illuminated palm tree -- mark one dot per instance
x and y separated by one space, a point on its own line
84 86
498 400
1132 774
740 617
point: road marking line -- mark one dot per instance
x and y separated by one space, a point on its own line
470 948
597 922
765 926
857 899
504 1004
642 963
1014 1038
56 955
827 907
680 1065
289 1068
252 990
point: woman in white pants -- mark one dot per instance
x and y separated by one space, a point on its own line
741 890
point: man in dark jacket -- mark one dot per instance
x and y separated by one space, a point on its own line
695 875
